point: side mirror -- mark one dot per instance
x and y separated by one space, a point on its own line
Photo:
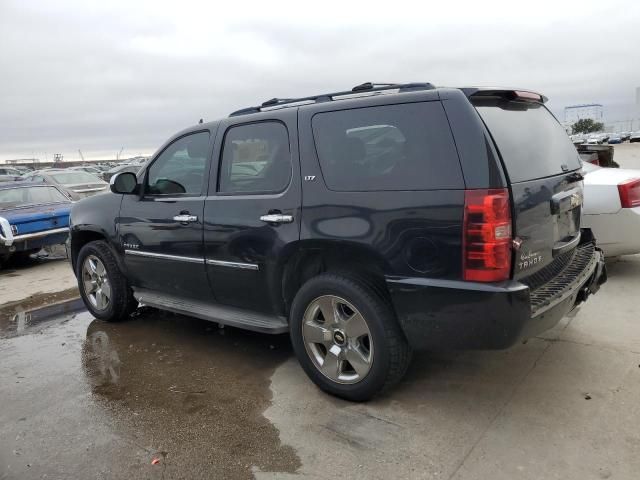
124 183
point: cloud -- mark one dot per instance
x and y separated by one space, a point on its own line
104 75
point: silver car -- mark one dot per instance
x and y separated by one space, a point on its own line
78 183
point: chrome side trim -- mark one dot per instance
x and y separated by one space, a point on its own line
28 236
7 237
222 263
164 256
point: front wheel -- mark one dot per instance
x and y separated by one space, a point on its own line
346 337
103 287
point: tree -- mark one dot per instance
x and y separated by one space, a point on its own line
586 125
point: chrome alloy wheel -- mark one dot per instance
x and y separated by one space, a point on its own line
337 339
96 282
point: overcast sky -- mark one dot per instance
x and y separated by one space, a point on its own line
99 76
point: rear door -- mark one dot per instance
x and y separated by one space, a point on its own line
542 166
252 213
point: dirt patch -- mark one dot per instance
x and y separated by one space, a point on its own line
190 393
38 300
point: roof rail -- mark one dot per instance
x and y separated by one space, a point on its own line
367 87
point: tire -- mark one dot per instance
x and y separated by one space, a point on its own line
120 302
384 348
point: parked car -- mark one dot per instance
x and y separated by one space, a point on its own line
614 139
31 217
634 137
80 184
120 169
594 140
87 168
366 223
10 171
612 208
8 178
22 169
625 136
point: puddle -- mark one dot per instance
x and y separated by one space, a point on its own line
193 391
157 386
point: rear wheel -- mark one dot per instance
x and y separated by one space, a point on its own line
346 337
103 287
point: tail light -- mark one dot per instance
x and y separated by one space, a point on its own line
486 235
630 193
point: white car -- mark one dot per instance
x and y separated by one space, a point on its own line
612 208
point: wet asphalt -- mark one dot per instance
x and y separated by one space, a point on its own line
157 396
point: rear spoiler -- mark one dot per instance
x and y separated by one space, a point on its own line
518 94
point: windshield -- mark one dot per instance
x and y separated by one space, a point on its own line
69 178
13 197
531 141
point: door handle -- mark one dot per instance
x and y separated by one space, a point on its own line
277 218
185 218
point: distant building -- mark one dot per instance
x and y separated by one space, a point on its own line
573 113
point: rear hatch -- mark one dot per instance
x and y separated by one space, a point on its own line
542 167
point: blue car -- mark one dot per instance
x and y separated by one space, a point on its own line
31 217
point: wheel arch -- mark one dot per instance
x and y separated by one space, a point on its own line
309 258
79 238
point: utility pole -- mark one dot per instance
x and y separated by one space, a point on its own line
81 156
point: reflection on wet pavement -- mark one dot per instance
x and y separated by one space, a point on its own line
106 399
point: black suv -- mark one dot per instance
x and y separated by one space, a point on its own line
365 223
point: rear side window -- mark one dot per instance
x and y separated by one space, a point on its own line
255 159
531 141
391 147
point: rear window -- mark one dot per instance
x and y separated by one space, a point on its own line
531 141
70 177
30 195
391 147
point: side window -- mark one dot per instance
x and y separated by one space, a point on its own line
255 159
391 147
180 168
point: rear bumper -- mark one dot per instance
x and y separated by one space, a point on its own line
446 314
617 233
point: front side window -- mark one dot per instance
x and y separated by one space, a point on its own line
180 168
255 159
391 147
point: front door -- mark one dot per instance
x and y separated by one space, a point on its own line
161 230
253 210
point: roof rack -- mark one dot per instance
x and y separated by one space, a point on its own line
367 87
